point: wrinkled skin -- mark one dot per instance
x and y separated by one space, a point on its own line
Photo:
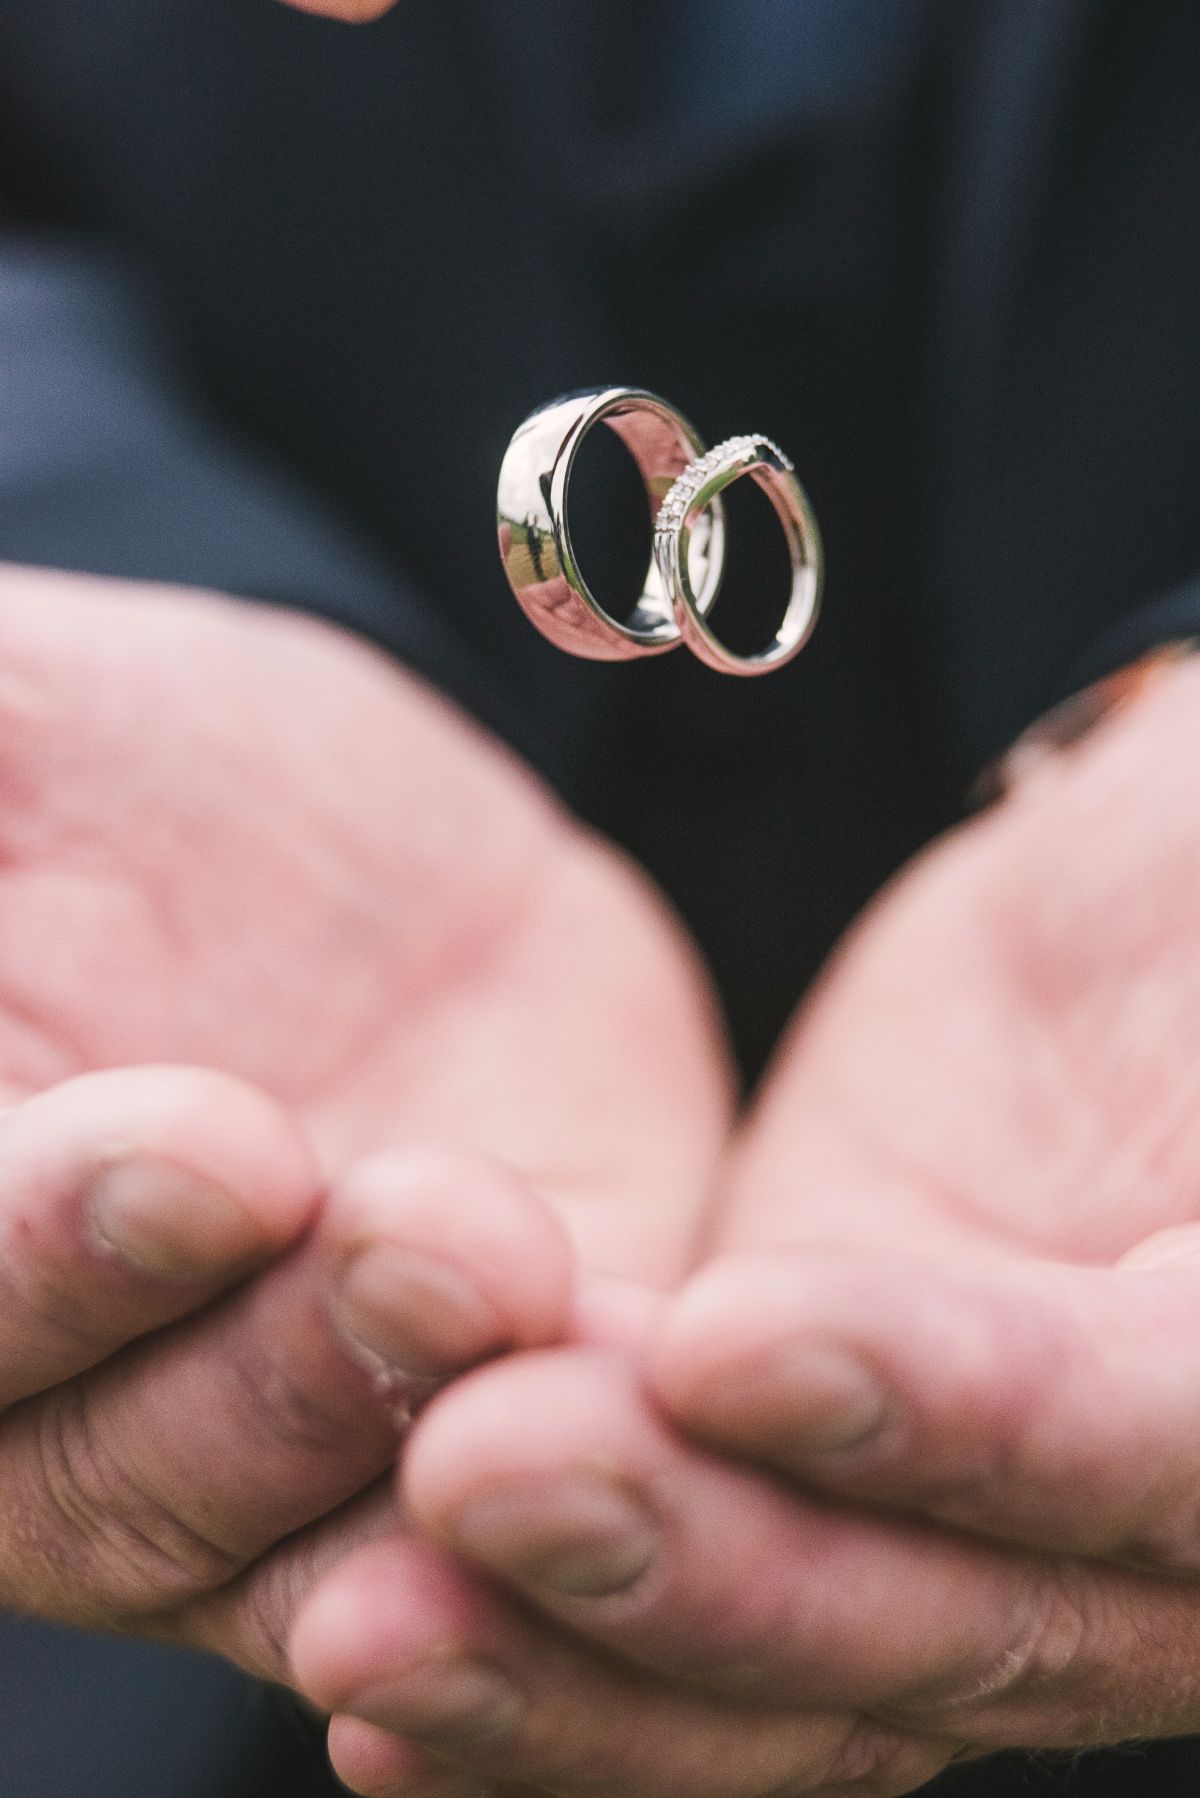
956 1276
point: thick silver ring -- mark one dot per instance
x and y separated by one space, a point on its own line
681 514
535 534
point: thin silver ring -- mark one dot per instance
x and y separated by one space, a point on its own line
535 533
682 513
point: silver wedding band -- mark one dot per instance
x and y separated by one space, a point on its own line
684 482
535 533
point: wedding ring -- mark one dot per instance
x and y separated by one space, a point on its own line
535 533
682 513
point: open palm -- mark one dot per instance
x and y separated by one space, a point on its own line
237 839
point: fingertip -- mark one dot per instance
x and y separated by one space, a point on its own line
538 1470
387 1604
232 1135
130 1196
447 1258
454 1445
326 1637
190 1171
1023 1399
381 1634
772 1358
519 1418
376 1764
728 1315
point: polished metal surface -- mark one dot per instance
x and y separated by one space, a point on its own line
682 512
535 535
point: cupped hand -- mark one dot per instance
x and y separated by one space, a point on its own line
272 919
962 1270
992 1104
956 1277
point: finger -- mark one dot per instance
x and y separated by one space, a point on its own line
446 1259
400 1638
712 1574
128 1199
617 1314
377 1764
1046 1405
1111 1654
624 1531
163 1473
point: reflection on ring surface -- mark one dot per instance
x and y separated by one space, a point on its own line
534 527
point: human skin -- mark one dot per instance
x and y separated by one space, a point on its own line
956 1275
355 12
274 920
149 914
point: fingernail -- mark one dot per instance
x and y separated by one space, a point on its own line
815 1400
167 1222
416 1315
448 1704
577 1537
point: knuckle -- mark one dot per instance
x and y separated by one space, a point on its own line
1102 1656
126 1550
281 1408
1133 1671
1054 1639
1048 1636
267 1602
32 1287
249 1620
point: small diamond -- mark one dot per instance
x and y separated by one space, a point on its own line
727 459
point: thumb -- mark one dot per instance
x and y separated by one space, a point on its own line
1051 1406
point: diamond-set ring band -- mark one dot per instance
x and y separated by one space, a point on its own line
699 487
684 482
682 497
